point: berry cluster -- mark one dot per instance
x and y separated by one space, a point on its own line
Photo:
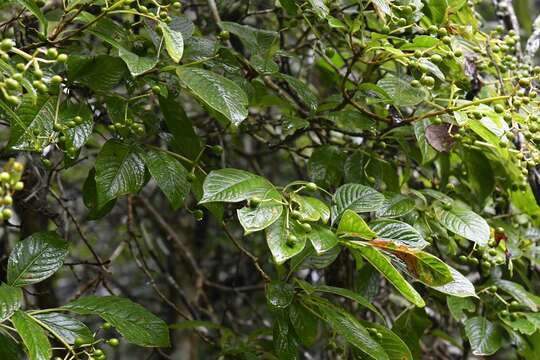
23 72
10 182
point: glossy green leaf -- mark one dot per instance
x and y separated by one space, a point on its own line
32 336
398 232
311 208
78 135
36 258
136 324
460 286
305 324
322 238
119 171
9 349
353 225
258 41
100 73
65 327
216 91
464 222
401 91
278 238
319 8
458 306
32 117
325 166
264 214
169 174
174 41
347 326
233 185
10 301
518 292
346 293
521 323
396 205
279 294
485 337
384 266
356 197
392 344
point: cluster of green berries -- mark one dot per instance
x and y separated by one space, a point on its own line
299 219
399 24
127 128
160 11
62 130
27 71
486 257
375 333
10 182
89 349
513 311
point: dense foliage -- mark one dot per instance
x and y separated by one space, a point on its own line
292 179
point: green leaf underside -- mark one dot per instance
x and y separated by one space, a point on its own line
32 335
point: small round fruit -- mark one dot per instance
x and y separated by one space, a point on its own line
436 58
329 52
62 58
98 352
217 149
114 342
190 177
295 214
18 167
4 176
524 82
427 80
498 108
306 227
156 89
462 259
7 214
6 44
8 200
52 53
311 186
106 326
224 35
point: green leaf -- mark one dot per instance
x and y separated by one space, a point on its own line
65 327
32 336
136 64
31 6
322 238
305 324
10 301
169 174
428 152
262 216
521 323
285 345
464 222
325 166
312 209
185 141
34 116
401 91
233 185
100 73
174 41
484 336
119 171
217 92
346 293
385 267
351 330
398 232
395 206
319 8
458 306
356 197
36 258
78 135
460 286
279 294
131 320
353 225
411 325
301 89
392 344
9 349
279 242
518 292
419 264
261 42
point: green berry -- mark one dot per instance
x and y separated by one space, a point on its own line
62 58
311 186
254 202
5 176
6 44
498 108
306 227
114 342
52 53
217 149
190 177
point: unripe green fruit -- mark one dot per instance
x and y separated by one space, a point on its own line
156 89
427 81
18 167
446 40
4 176
436 58
224 35
62 58
330 52
7 214
98 352
113 342
524 82
311 186
462 259
295 214
217 149
190 177
498 108
306 227
52 53
8 200
6 44
106 326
